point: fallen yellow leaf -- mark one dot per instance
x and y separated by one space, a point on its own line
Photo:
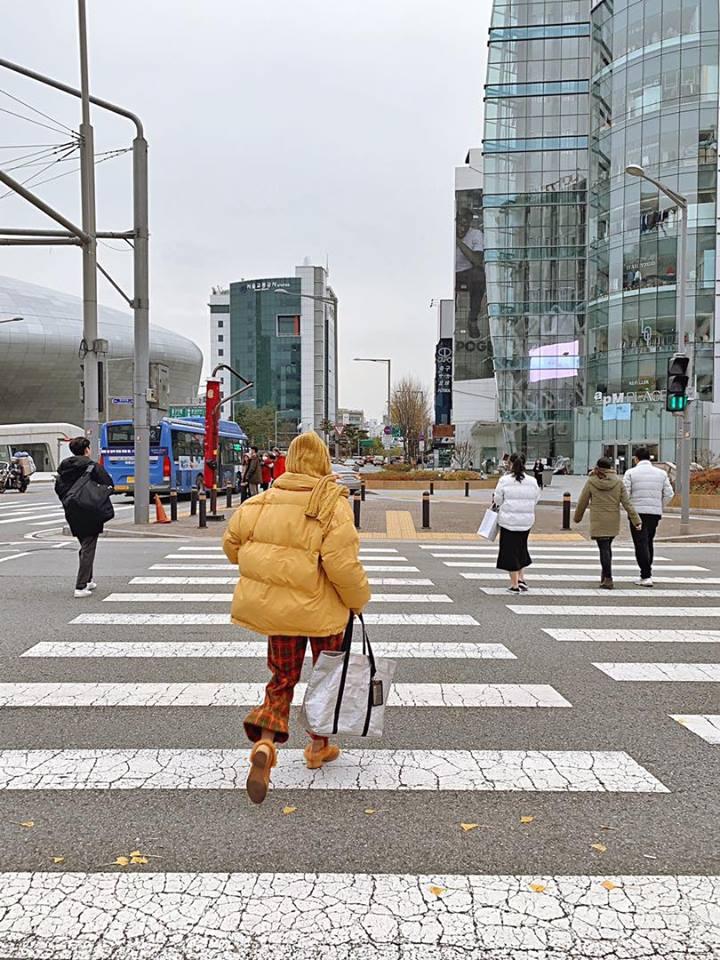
27 823
122 861
469 826
287 810
370 810
58 859
600 847
526 819
437 891
537 887
609 885
135 853
140 859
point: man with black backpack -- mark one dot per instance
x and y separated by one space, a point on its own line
84 489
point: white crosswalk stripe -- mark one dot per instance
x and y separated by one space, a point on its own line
589 578
570 566
227 598
251 694
703 725
634 636
354 916
570 559
662 672
597 592
555 771
369 567
569 549
231 581
409 650
220 619
615 611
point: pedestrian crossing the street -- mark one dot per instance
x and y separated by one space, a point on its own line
541 740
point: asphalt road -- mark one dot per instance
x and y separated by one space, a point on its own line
519 723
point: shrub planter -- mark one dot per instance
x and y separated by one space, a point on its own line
375 482
699 501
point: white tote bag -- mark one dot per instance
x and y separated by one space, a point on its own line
489 526
347 691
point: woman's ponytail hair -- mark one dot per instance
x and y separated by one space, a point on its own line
517 466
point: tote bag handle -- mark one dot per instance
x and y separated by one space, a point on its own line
346 649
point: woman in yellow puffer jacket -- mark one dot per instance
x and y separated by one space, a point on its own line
300 576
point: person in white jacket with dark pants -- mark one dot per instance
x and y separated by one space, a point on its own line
515 497
649 489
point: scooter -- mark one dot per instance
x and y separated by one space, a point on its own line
12 478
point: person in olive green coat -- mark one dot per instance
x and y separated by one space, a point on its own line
604 493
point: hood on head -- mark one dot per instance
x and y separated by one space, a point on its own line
308 455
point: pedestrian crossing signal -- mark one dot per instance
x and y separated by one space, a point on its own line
677 381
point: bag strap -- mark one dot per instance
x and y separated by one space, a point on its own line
345 649
81 481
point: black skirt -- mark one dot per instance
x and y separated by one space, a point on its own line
513 553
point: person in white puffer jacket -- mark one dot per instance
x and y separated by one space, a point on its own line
515 497
650 489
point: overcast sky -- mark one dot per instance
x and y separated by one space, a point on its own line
277 130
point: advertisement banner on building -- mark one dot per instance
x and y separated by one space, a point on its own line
473 349
443 380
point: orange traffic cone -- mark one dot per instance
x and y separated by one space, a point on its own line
160 515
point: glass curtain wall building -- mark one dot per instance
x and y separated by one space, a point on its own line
581 259
280 333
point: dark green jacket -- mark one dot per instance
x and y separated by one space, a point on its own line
605 493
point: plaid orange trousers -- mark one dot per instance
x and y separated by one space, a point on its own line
285 660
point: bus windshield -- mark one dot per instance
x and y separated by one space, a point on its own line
123 435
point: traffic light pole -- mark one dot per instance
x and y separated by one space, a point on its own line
685 344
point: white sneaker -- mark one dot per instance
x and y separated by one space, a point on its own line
91 586
644 583
83 593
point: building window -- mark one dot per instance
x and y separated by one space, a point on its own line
537 89
221 353
288 326
540 32
219 308
221 323
220 338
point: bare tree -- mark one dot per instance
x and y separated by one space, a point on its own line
463 454
706 458
410 410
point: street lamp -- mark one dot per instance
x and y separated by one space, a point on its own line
683 439
389 379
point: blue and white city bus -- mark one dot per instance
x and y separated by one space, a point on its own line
176 454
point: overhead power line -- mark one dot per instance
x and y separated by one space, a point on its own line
46 116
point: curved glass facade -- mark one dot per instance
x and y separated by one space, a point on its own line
654 102
535 182
581 258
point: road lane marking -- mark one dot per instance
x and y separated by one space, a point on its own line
662 672
250 694
591 578
547 610
597 592
370 568
571 560
634 636
227 598
575 566
231 581
215 916
223 619
255 649
14 556
704 725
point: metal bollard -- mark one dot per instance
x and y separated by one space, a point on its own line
193 501
566 511
362 490
173 505
432 488
356 509
213 500
426 510
467 488
202 500
228 495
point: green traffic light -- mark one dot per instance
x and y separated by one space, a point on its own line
677 402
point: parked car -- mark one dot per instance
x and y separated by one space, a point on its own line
378 461
347 476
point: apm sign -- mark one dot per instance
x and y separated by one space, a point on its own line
644 396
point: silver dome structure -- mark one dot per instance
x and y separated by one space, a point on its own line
40 368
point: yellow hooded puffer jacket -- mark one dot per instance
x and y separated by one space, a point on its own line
297 549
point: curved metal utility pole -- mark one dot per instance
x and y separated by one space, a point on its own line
141 298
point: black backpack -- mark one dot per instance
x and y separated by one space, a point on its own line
88 496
